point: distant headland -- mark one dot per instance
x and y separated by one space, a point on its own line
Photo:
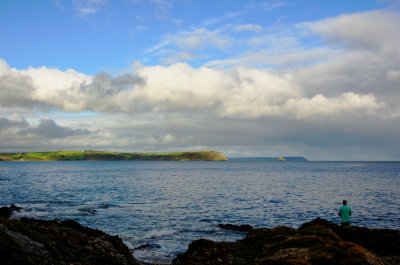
272 159
112 156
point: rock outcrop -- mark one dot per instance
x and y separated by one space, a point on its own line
6 212
30 241
316 242
238 228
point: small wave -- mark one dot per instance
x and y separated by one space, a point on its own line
31 211
154 253
200 229
87 210
147 246
106 205
160 233
207 220
93 208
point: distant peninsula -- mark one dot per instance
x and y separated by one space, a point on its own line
272 159
112 156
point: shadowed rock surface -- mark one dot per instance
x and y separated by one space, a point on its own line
30 241
238 228
316 242
6 212
384 242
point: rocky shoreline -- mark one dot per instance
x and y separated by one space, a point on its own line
315 242
31 241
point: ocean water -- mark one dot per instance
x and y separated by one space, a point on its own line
163 206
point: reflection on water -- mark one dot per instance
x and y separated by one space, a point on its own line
160 207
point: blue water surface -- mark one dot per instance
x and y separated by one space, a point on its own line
166 205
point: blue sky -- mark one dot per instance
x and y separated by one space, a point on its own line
254 78
98 35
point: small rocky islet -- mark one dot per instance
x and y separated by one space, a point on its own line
31 241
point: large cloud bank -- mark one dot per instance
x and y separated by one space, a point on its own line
235 93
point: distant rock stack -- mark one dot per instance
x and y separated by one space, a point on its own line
281 159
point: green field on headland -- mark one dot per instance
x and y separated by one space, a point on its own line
112 156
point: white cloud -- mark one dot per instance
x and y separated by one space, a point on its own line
249 27
189 45
142 28
199 39
271 5
162 10
87 11
88 7
68 90
221 19
337 108
393 75
235 93
376 30
175 57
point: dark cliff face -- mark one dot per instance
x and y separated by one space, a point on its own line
317 242
31 241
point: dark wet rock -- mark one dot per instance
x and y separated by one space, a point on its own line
384 242
238 228
316 242
6 212
30 241
147 246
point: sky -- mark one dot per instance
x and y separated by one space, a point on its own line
319 79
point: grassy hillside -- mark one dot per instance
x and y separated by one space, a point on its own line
112 156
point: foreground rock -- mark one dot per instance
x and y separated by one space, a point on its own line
6 212
317 242
31 241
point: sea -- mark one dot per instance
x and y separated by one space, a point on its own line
158 208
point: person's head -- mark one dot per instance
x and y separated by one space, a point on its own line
344 202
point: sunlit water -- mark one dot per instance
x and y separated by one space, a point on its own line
169 204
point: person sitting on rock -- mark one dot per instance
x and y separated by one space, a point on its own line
345 213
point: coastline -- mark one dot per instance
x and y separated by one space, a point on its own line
32 241
89 155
